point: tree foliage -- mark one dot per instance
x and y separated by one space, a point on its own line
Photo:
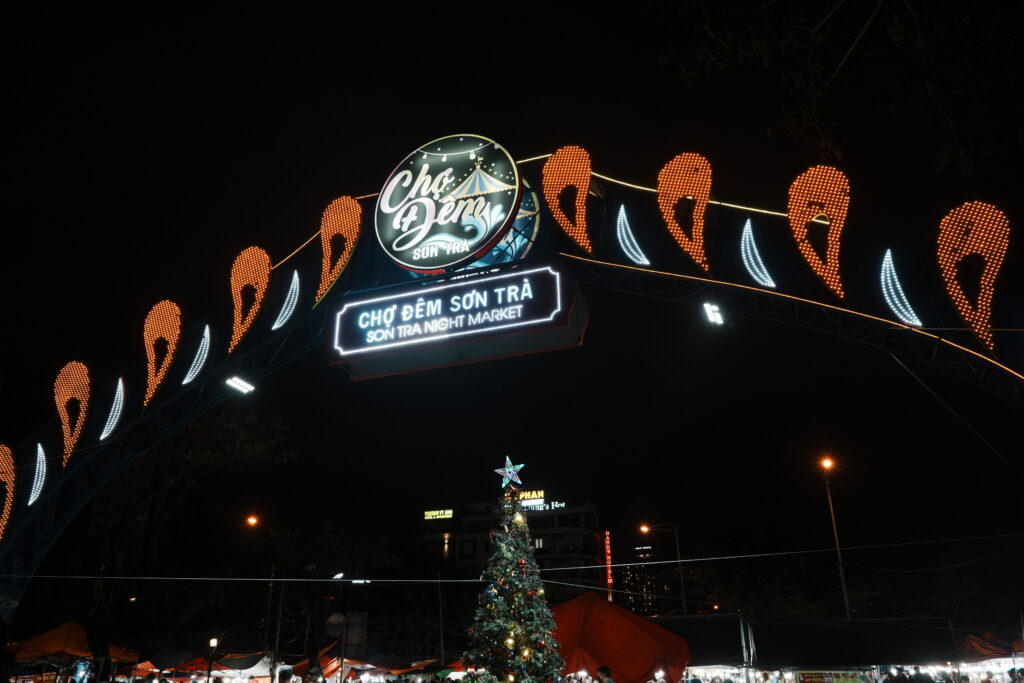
511 636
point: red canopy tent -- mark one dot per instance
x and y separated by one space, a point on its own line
198 664
67 640
593 632
979 648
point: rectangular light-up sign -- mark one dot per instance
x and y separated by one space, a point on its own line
531 498
475 306
516 310
437 514
608 562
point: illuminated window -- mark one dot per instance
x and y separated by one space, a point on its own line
627 242
341 217
39 477
538 543
250 271
290 300
115 410
752 258
72 384
163 323
820 192
713 314
200 358
974 229
7 478
893 292
569 167
686 176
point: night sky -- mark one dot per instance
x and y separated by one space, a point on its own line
142 159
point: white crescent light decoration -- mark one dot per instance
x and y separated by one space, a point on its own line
201 353
115 410
40 476
290 300
627 241
752 258
893 292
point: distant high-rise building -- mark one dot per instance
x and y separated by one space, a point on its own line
649 589
457 539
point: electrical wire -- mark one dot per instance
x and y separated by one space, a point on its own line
936 569
694 560
958 416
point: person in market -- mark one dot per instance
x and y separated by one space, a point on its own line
604 674
919 677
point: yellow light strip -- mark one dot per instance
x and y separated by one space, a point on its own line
297 250
526 161
894 323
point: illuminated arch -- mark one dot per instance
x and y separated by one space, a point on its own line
569 167
39 475
291 299
974 228
893 292
163 322
627 241
341 217
7 479
751 258
116 408
686 176
72 383
250 269
199 360
821 191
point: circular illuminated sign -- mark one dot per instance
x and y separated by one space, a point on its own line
447 203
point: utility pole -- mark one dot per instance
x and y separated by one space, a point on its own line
827 464
440 615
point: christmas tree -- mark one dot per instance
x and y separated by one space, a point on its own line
511 637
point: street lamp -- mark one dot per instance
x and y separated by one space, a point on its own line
826 465
646 529
209 662
252 520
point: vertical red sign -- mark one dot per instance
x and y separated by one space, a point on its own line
608 561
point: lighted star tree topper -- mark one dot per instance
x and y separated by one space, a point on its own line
509 473
511 637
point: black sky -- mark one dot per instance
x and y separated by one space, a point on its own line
145 153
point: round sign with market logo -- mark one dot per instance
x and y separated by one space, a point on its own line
447 203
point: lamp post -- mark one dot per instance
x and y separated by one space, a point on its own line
209 662
826 465
646 529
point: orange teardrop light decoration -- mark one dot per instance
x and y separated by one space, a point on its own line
250 269
569 166
7 478
688 175
162 322
341 217
72 383
974 228
820 191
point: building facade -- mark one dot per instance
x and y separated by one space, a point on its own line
564 536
